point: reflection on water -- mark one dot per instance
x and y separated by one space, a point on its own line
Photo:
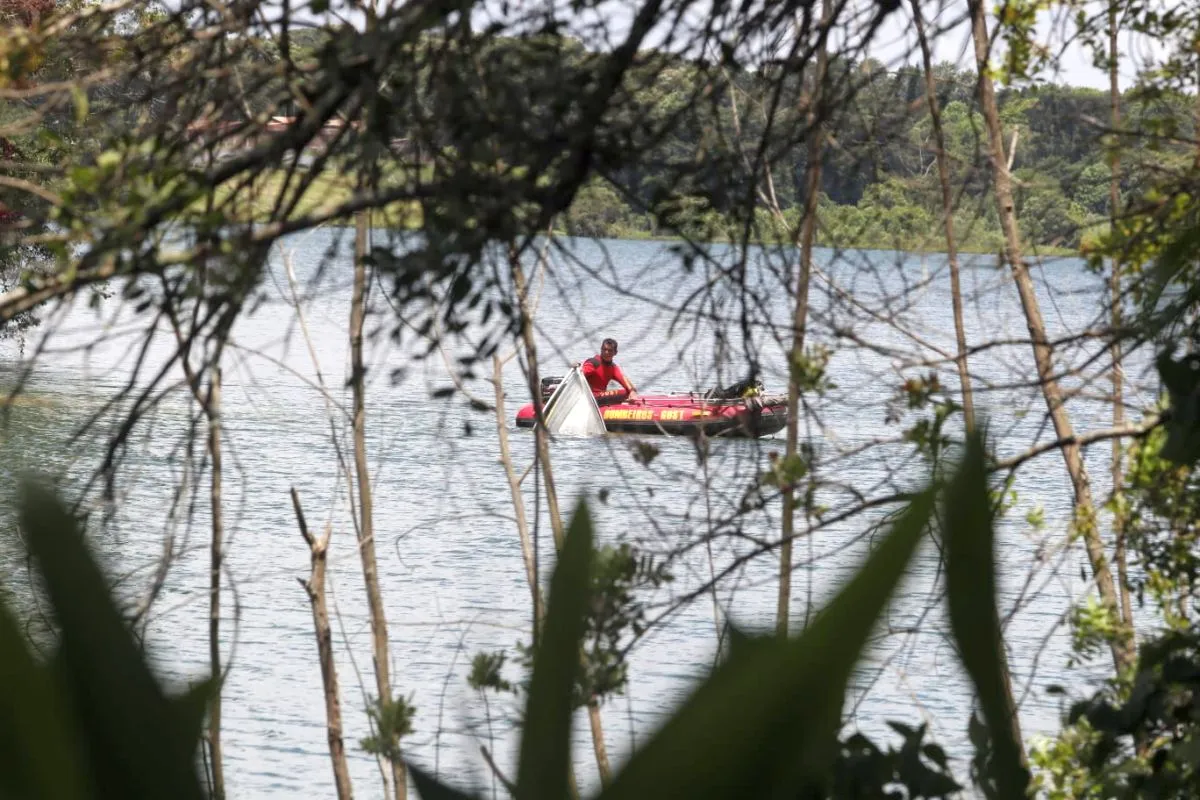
449 560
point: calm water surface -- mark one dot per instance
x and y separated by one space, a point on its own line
450 564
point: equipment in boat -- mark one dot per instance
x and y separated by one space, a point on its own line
740 410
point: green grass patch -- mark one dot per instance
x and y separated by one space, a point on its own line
325 194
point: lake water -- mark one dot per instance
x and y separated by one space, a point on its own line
450 564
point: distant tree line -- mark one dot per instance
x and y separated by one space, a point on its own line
878 184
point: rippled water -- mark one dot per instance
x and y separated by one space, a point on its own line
450 564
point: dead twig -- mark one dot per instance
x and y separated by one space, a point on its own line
314 587
1081 440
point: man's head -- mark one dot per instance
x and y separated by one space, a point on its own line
608 349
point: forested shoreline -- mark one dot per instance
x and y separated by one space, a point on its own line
878 189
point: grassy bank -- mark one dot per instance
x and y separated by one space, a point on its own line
24 401
325 194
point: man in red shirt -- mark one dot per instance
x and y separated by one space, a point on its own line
600 371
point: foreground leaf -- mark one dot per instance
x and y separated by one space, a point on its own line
546 741
38 755
971 595
1182 381
765 724
430 788
1169 268
134 732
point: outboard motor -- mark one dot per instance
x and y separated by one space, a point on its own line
549 385
750 387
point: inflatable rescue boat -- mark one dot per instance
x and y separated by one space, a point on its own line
740 411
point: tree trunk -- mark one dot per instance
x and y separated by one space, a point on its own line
943 166
808 227
1085 509
514 488
366 522
535 392
213 412
1196 121
1114 283
542 444
964 376
315 588
601 751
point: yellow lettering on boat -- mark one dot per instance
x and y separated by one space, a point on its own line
628 413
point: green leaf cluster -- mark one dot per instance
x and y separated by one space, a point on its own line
391 720
1135 740
614 620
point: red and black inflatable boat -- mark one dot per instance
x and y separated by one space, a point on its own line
729 413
